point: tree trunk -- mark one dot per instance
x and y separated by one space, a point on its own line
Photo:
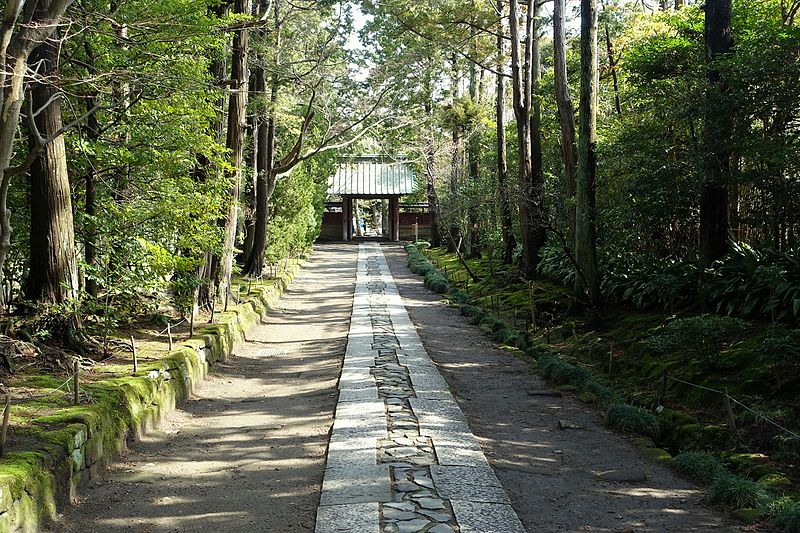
473 156
612 64
455 166
506 222
53 276
265 163
430 176
90 207
566 111
521 65
719 121
538 219
209 271
19 35
235 143
587 278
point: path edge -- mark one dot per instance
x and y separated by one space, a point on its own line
81 443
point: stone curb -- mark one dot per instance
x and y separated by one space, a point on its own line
84 440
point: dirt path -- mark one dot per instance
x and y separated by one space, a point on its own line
248 452
549 474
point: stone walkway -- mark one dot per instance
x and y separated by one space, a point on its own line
401 456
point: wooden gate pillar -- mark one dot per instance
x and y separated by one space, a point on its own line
346 218
394 209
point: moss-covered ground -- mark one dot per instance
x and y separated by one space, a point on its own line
670 377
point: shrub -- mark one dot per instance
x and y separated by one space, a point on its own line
785 513
558 371
632 420
698 466
701 336
471 310
738 492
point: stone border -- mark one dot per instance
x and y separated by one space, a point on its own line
84 440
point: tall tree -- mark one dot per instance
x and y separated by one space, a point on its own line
53 274
566 111
506 221
522 84
24 27
237 124
718 126
586 210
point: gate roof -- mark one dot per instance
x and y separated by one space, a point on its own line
372 175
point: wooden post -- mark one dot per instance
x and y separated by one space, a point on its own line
213 310
169 334
4 431
191 322
76 383
135 355
663 392
611 360
533 305
728 410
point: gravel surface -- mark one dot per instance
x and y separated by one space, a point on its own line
247 452
549 473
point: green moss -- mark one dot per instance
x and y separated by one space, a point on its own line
656 454
750 465
747 515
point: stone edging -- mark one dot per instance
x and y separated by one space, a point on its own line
81 442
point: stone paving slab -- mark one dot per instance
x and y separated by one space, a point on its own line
401 456
479 517
361 517
358 395
356 483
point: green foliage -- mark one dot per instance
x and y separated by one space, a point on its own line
785 513
698 466
756 282
702 336
560 372
738 492
632 420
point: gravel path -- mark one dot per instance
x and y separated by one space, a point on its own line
247 453
550 474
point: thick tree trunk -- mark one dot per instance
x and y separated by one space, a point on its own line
586 213
566 111
235 143
265 163
506 222
53 276
19 35
714 195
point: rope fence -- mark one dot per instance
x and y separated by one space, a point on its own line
726 398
